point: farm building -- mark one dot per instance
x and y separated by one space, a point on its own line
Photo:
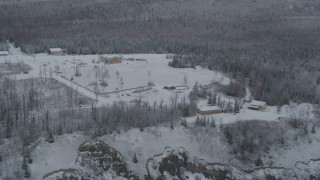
55 51
258 105
141 59
130 59
169 87
4 53
115 60
207 110
112 60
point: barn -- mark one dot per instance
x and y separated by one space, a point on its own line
114 60
169 87
258 105
207 110
111 60
55 51
4 53
141 59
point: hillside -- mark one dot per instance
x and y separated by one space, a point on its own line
159 89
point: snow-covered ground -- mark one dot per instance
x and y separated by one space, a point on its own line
61 154
270 114
153 141
133 74
145 144
302 150
139 73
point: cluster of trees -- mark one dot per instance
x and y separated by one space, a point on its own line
31 109
57 115
251 136
203 121
277 74
234 89
149 26
250 139
215 100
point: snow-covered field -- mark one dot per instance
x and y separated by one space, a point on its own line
59 155
132 74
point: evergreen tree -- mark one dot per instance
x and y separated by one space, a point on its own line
171 125
282 139
313 130
236 108
135 159
210 101
305 129
229 106
27 173
279 109
214 99
198 121
27 156
50 138
24 164
259 162
204 120
219 102
228 135
184 123
213 123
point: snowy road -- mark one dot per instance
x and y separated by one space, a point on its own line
101 100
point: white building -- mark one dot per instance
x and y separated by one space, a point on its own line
4 53
56 51
207 110
258 105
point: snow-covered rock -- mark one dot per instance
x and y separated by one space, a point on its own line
175 164
96 160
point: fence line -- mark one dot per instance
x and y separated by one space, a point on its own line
110 92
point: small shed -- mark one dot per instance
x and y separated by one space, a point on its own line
55 51
207 110
258 105
4 53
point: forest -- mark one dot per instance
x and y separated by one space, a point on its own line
271 43
268 46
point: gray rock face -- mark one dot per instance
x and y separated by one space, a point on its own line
95 160
175 164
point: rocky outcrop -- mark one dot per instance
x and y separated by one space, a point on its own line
175 164
310 170
95 160
64 174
